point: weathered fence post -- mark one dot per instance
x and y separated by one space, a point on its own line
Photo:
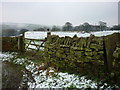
21 43
110 46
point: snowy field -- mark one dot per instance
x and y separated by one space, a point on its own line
55 80
42 35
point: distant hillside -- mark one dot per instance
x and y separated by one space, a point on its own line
18 26
13 29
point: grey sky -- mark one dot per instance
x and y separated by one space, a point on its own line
55 13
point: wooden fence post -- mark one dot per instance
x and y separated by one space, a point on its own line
21 46
48 33
110 46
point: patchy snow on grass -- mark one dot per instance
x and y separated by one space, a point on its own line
6 56
60 80
19 61
57 79
12 57
31 67
48 78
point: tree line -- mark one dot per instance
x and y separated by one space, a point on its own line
102 26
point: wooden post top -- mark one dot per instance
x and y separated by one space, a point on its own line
48 33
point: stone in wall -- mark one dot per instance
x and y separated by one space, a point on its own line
83 42
89 40
88 53
116 53
96 47
88 50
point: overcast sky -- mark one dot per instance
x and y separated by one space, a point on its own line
57 13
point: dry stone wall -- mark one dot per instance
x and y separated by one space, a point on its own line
84 53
